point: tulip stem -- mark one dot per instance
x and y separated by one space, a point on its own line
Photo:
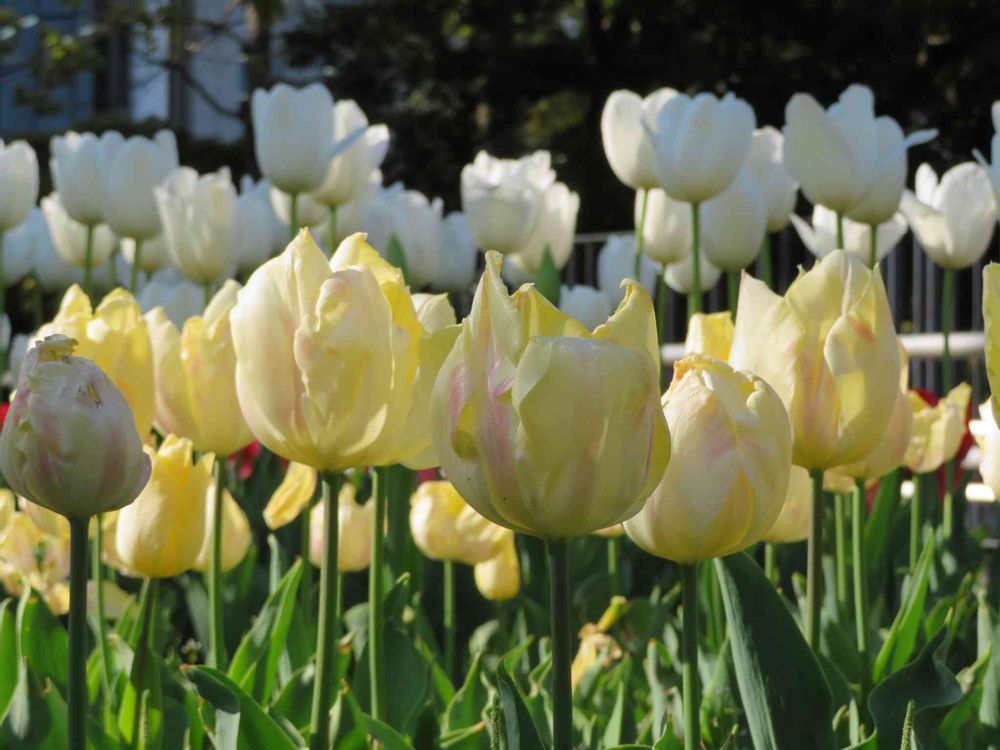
133 276
694 298
860 586
333 229
814 561
376 593
326 639
97 570
76 705
149 602
840 536
207 288
88 263
916 503
217 647
872 245
613 551
640 230
662 305
449 618
947 377
733 289
689 656
293 214
306 585
770 563
840 230
562 691
766 273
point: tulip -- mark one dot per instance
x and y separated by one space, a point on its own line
76 166
447 528
24 247
987 436
820 239
235 540
150 256
597 650
680 276
792 524
414 222
257 231
8 506
711 335
993 168
16 353
307 212
891 450
611 532
616 262
174 294
667 230
69 237
735 224
937 430
553 233
18 183
584 303
765 163
130 170
502 198
197 212
160 535
499 578
42 561
49 521
349 172
434 311
292 496
456 266
354 550
115 337
627 144
991 325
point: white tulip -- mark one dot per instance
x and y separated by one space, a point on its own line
350 216
820 239
554 231
588 305
616 262
667 231
21 247
257 232
628 146
768 169
76 171
953 219
350 171
130 170
70 236
15 356
308 213
198 212
679 276
153 255
993 168
31 248
456 269
416 224
734 224
700 144
180 298
18 183
502 198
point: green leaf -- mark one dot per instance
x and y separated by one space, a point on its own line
410 680
519 727
613 730
785 696
44 642
988 636
395 255
466 708
547 278
9 672
43 725
902 639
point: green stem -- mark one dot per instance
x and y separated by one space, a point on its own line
449 618
766 272
662 304
76 704
689 656
207 289
814 561
133 276
562 645
97 570
293 214
860 586
840 230
326 639
916 501
694 298
770 563
217 646
840 535
88 263
872 245
376 593
947 378
640 232
613 575
306 586
150 598
733 289
333 229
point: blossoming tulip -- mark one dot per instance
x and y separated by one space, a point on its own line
937 430
765 163
553 233
820 238
667 229
160 535
616 262
734 224
69 441
75 164
891 450
710 334
349 172
195 375
445 527
792 524
499 578
130 170
354 549
69 237
588 305
18 183
507 390
628 146
725 484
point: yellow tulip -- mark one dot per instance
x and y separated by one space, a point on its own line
115 338
46 520
937 430
354 545
292 496
30 556
596 647
499 578
445 527
235 535
160 535
891 451
726 481
543 426
829 350
991 329
710 334
328 356
793 521
196 377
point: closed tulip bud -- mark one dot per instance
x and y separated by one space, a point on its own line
76 171
69 237
160 535
766 164
891 450
257 231
235 539
445 527
710 334
987 436
195 375
174 294
292 496
679 276
699 143
293 133
130 172
499 578
553 233
29 556
828 348
18 183
726 481
416 224
115 337
502 198
820 239
937 430
734 224
544 427
667 230
456 267
153 256
628 146
616 262
953 219
354 545
588 305
350 170
69 441
991 325
197 212
793 521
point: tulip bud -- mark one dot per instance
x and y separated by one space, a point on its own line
29 249
292 496
499 578
667 230
820 239
18 183
69 237
354 546
765 163
75 165
257 231
30 556
611 532
178 297
153 256
235 539
553 233
445 527
793 522
734 224
726 481
543 426
69 441
679 276
456 268
350 171
937 430
160 535
616 262
416 224
588 305
710 334
628 146
130 171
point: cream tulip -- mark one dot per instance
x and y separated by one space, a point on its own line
726 481
354 545
446 528
891 450
30 557
667 230
710 334
350 171
937 430
820 238
499 578
75 165
130 170
49 521
734 224
627 144
292 495
588 305
793 521
18 183
69 237
616 262
765 163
